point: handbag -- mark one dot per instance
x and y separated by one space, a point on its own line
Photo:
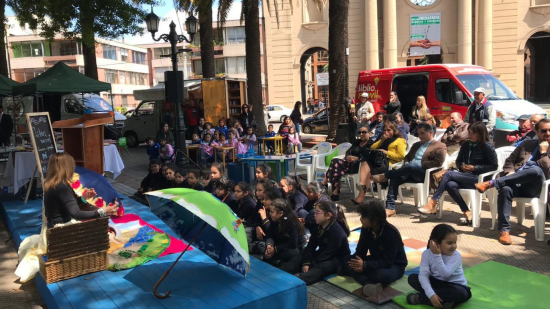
377 158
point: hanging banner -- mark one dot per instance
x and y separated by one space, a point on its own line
425 34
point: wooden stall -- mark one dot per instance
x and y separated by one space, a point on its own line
223 98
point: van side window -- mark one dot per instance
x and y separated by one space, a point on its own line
73 107
447 91
145 109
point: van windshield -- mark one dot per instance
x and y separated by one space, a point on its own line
97 104
495 89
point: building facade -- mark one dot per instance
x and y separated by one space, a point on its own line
122 65
509 37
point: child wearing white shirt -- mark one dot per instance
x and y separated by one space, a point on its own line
441 280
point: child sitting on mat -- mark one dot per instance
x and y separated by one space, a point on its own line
294 195
153 148
170 176
205 178
153 181
193 181
441 280
224 192
257 246
216 176
284 235
328 245
387 260
245 207
180 178
263 171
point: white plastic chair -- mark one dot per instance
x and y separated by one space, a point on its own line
320 166
421 190
306 160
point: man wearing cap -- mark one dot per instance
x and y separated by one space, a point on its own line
481 110
365 111
523 128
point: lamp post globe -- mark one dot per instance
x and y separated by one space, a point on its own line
152 21
192 25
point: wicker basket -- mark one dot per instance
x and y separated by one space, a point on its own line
78 239
53 271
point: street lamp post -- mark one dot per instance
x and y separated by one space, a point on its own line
152 21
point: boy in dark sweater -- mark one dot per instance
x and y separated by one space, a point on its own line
387 260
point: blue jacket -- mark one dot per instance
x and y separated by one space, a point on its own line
153 151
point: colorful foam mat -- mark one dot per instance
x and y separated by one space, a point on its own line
413 250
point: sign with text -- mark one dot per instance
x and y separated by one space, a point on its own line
425 34
322 79
43 140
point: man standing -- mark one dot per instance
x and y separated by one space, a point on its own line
455 134
482 110
6 127
266 115
364 112
535 118
525 171
425 154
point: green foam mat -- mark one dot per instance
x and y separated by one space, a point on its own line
498 286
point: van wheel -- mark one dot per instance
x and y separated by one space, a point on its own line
283 118
306 129
132 140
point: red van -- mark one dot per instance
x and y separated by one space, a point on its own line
448 88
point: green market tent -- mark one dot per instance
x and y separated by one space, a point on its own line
6 85
60 79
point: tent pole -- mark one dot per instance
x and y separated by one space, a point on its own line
14 120
157 295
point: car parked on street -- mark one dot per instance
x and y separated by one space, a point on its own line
316 123
278 112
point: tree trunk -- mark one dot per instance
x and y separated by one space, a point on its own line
88 38
337 43
253 64
3 43
207 44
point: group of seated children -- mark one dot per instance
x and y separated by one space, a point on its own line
162 150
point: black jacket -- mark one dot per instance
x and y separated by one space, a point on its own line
61 205
391 108
296 116
297 200
247 120
246 210
332 243
197 186
279 241
6 126
483 157
357 151
386 249
153 181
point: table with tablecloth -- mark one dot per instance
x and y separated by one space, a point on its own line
25 163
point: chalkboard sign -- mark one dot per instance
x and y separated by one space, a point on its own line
43 140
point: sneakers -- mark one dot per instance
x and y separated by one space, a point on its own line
372 289
505 238
413 299
483 186
380 178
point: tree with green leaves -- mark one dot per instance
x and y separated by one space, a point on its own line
204 10
83 20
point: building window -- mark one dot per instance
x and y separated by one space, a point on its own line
235 35
27 49
138 57
66 48
197 66
122 77
236 65
219 66
124 100
123 54
159 51
109 52
111 76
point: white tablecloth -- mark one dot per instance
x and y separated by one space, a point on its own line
26 162
112 162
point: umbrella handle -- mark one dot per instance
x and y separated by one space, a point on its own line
160 296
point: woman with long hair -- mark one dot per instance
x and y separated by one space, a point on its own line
60 202
418 113
393 146
166 133
296 116
246 118
284 129
393 105
475 157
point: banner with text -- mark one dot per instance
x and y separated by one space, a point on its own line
425 34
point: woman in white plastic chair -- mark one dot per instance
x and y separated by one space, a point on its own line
350 163
475 157
393 146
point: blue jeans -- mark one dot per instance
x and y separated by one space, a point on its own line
525 183
453 181
297 125
408 173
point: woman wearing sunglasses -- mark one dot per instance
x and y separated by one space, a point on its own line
350 163
392 145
